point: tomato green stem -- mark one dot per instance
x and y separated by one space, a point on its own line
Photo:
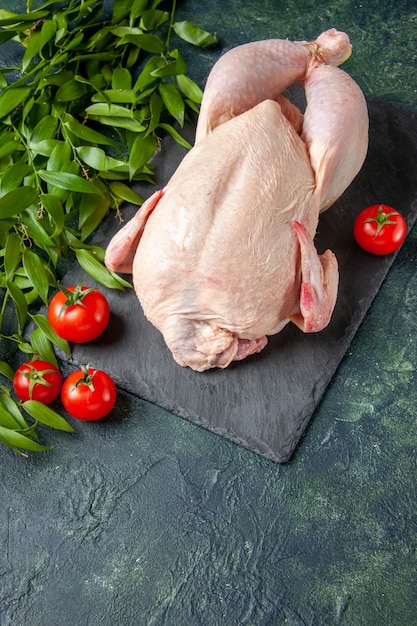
381 219
37 377
87 378
75 297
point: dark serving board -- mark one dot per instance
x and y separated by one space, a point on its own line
266 401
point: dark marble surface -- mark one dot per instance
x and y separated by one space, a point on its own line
147 519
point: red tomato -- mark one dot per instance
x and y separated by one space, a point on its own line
79 314
88 394
379 229
37 380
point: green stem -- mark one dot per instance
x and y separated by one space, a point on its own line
171 25
30 159
3 306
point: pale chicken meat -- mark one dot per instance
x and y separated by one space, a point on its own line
223 256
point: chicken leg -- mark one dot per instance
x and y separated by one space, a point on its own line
262 70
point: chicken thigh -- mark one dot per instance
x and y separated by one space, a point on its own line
223 256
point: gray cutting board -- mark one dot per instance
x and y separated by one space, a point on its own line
266 401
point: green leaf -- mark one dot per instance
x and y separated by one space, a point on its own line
13 177
11 98
155 106
173 101
146 76
172 68
28 107
46 147
12 254
37 228
121 31
98 271
26 348
8 17
121 122
99 39
5 36
37 40
92 212
109 110
93 57
121 9
6 370
189 88
86 133
6 225
35 271
7 420
121 79
56 78
59 157
153 18
35 110
175 135
8 149
137 8
46 415
95 83
72 90
16 200
71 45
11 406
48 30
71 182
117 96
20 303
122 191
98 159
55 210
193 34
45 129
98 252
42 346
149 43
143 148
42 322
15 440
6 136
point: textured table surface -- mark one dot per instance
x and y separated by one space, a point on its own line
146 518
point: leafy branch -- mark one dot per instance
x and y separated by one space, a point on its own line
81 117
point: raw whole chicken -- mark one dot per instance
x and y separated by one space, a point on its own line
223 255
